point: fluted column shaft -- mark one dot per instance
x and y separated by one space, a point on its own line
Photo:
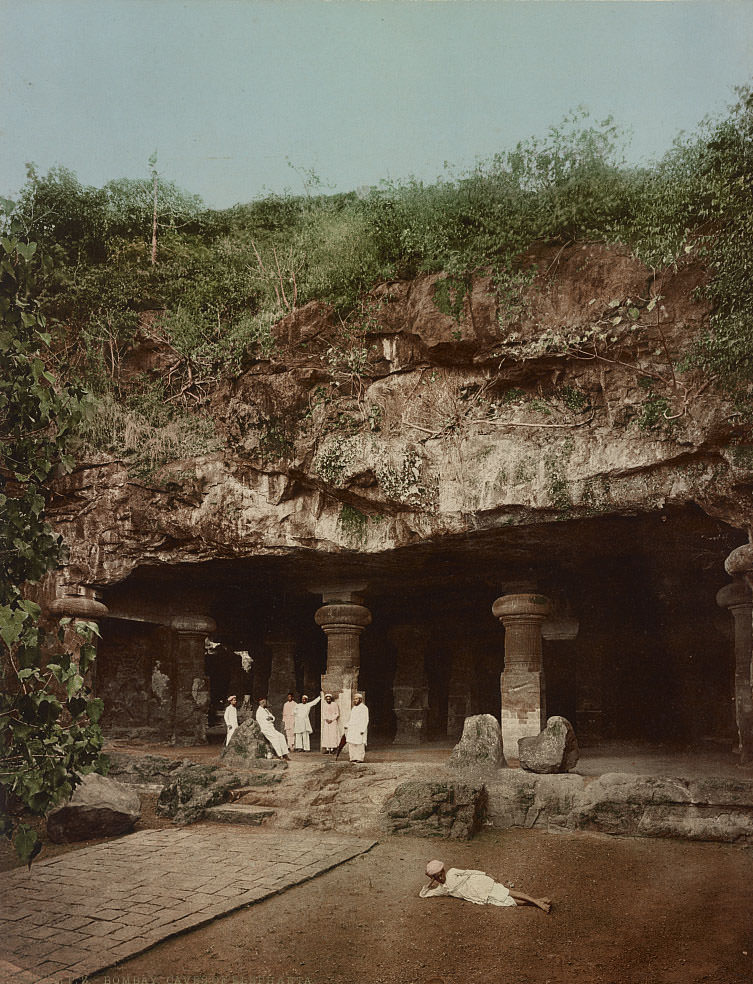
522 685
282 673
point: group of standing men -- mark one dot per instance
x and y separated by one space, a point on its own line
298 729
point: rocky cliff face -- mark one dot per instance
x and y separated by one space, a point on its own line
443 410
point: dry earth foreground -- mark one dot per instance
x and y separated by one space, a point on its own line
89 909
297 901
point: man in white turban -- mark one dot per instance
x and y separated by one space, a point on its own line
474 886
357 730
303 727
231 717
266 721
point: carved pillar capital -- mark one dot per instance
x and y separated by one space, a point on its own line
740 562
341 618
343 624
734 595
82 603
562 628
193 624
522 616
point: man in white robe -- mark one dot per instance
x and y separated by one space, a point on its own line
266 721
330 729
357 730
303 727
231 717
474 886
288 719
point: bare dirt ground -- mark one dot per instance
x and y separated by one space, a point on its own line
625 912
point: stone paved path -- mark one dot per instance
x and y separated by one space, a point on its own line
86 910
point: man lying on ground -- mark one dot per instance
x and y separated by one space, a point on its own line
474 886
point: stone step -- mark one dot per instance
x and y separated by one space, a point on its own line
239 813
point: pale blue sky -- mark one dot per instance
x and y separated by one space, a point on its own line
226 90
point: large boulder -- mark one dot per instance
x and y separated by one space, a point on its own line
99 807
554 750
435 809
480 748
247 745
142 770
194 788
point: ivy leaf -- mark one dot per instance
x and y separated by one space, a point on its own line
11 625
27 844
94 709
74 683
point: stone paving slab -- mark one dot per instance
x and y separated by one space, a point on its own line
84 911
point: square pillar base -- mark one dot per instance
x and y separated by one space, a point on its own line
523 708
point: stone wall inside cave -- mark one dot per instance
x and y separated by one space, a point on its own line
134 678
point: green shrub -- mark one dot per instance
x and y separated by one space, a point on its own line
223 278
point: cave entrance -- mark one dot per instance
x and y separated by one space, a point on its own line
635 646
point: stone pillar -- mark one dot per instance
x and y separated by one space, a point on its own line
190 684
589 692
737 598
82 604
459 691
410 688
343 617
282 673
523 688
462 671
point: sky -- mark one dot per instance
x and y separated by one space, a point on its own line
245 97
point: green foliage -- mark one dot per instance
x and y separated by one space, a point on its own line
146 432
48 730
655 413
354 525
224 278
333 460
450 293
574 399
276 440
56 210
726 177
557 485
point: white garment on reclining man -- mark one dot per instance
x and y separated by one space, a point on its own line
473 886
